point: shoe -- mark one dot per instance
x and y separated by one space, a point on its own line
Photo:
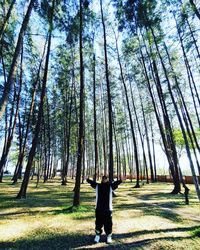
97 238
109 238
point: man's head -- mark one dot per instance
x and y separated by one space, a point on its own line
104 179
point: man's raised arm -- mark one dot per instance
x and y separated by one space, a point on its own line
93 184
115 184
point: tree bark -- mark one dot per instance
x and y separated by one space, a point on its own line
189 72
153 148
18 168
195 179
95 118
160 125
169 134
3 27
130 118
76 201
109 98
12 72
13 122
194 8
24 185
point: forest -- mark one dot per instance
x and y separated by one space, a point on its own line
92 88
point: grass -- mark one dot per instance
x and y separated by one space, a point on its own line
145 218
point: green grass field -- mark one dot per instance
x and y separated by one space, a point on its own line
145 218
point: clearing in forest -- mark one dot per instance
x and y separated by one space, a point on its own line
145 218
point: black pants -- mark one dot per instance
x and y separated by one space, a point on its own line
103 218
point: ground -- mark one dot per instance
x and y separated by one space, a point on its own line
145 218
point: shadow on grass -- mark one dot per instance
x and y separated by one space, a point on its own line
79 213
167 230
161 195
33 203
145 244
140 244
68 241
152 209
83 241
41 198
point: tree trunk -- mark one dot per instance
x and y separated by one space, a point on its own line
49 139
8 129
3 27
95 119
153 148
195 179
116 159
12 72
189 73
13 122
194 8
69 132
169 134
76 201
130 118
24 185
104 137
109 99
19 164
65 138
124 155
194 41
160 125
43 125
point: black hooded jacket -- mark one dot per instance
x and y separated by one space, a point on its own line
104 194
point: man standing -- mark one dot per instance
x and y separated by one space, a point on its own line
104 206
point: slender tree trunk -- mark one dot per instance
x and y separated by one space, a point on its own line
109 99
24 185
8 129
153 148
194 8
130 118
160 125
3 27
124 155
189 73
128 149
76 201
65 138
101 167
48 138
170 146
95 118
104 138
12 122
43 125
195 179
169 135
85 153
194 40
69 132
148 144
12 72
18 168
128 153
20 131
116 148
